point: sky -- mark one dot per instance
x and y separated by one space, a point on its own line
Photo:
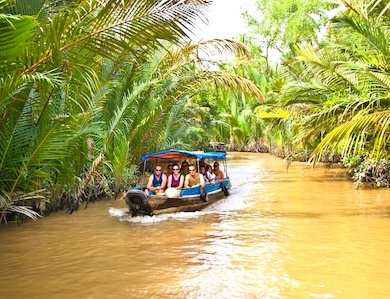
225 19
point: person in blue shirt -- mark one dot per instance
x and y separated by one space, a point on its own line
157 181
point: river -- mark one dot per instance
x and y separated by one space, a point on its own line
305 233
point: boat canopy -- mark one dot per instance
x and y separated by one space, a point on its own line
174 154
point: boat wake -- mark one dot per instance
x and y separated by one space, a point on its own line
236 201
124 216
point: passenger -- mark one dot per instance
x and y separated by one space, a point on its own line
184 168
219 175
157 181
202 169
210 175
194 178
202 162
176 179
169 170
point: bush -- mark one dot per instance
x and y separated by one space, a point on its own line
369 172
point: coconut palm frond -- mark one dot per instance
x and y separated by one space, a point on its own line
380 81
306 93
275 113
5 4
355 132
29 153
231 81
325 69
16 31
17 204
28 8
122 117
24 210
366 27
216 46
115 28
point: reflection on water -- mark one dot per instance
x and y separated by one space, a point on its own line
305 233
228 268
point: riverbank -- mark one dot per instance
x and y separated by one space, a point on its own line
364 172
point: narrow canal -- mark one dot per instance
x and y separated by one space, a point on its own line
305 233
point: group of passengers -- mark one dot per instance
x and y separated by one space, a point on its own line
186 176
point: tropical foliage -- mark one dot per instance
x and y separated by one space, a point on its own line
89 86
277 25
328 94
346 84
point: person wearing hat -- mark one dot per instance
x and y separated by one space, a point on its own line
219 175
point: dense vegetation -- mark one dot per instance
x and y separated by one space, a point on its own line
333 92
87 86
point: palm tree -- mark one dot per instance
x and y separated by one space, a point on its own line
345 84
93 93
169 80
52 91
231 110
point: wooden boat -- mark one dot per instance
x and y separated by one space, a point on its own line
184 200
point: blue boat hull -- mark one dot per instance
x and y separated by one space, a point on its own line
210 189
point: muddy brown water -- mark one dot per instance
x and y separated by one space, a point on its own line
305 233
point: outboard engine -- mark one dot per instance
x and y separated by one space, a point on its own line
138 203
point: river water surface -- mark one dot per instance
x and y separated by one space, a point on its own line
305 233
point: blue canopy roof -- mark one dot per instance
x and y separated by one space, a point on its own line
173 154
